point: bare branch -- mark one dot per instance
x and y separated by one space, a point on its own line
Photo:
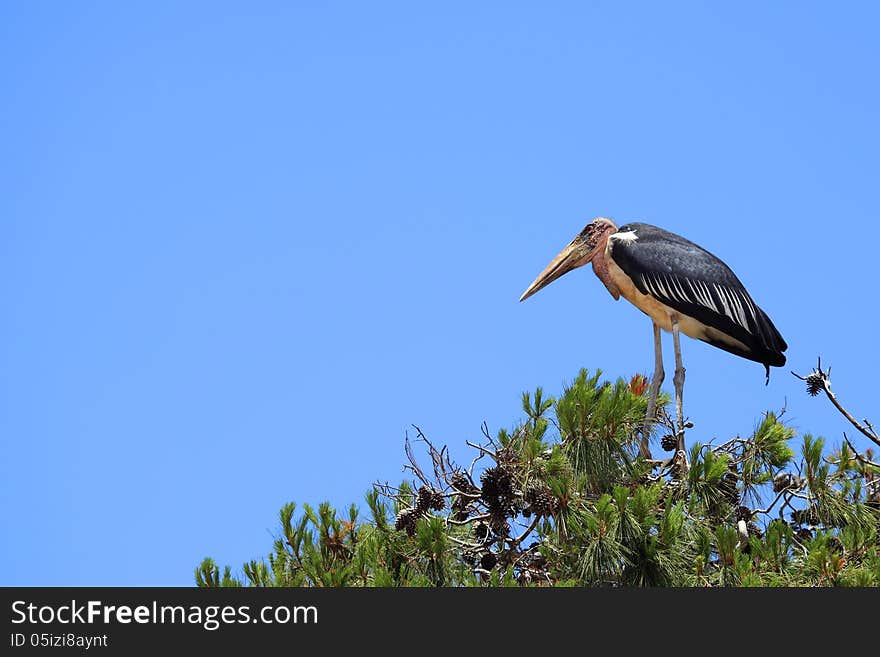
473 546
452 521
470 471
858 456
820 379
772 504
386 489
514 542
482 449
414 465
484 428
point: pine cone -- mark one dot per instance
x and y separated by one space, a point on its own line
808 516
460 508
541 501
498 523
743 513
423 499
782 481
754 530
815 383
669 443
406 520
438 501
481 532
803 534
497 490
429 498
488 561
462 483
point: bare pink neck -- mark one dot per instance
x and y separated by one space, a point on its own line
600 264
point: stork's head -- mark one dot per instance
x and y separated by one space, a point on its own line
578 253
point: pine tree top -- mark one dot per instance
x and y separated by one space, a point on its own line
564 498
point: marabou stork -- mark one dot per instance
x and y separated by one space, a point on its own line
683 289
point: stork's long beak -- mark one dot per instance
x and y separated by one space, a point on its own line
577 254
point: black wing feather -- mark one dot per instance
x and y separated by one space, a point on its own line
689 279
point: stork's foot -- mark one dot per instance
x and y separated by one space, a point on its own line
678 380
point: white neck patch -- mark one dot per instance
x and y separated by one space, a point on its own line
625 236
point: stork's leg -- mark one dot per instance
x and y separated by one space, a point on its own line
678 380
656 382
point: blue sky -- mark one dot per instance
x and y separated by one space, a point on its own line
244 246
